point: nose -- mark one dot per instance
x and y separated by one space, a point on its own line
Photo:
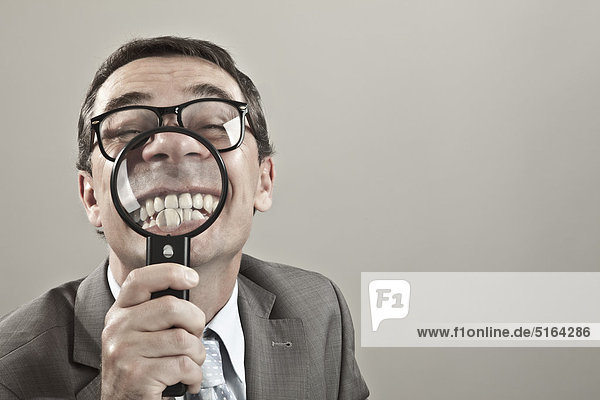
173 147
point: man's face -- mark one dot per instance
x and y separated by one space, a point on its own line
167 81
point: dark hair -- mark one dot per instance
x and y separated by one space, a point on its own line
169 46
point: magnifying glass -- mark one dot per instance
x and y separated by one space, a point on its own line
169 184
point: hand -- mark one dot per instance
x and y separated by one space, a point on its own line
141 354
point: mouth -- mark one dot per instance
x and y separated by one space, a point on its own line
170 210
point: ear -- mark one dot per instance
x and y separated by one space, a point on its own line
88 198
263 197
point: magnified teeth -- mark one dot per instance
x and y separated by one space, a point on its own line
150 206
175 208
185 200
197 201
168 218
171 201
197 215
159 204
143 213
208 203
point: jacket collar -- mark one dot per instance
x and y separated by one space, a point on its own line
92 302
91 305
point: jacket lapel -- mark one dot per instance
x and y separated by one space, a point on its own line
93 301
275 357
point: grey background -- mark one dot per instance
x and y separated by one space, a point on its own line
411 136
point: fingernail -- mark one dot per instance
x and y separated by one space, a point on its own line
191 276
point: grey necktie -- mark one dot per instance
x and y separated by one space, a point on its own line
213 381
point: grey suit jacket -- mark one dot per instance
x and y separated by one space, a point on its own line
51 347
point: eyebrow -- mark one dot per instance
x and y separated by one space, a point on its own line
208 90
200 90
127 99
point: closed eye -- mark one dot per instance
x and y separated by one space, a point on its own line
118 133
213 128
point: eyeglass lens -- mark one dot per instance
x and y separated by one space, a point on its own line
218 122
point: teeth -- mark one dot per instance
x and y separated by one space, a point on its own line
159 204
208 203
185 200
168 218
171 201
150 206
183 207
197 201
143 213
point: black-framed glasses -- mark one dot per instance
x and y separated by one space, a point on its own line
220 121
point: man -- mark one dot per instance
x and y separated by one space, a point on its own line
282 333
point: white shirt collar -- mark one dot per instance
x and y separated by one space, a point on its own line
226 323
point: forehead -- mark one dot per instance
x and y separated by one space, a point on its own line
164 81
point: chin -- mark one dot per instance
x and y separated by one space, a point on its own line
129 252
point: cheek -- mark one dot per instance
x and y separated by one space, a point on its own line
101 171
243 176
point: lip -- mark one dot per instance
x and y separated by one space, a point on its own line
183 229
165 190
157 178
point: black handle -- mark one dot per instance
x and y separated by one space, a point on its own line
160 249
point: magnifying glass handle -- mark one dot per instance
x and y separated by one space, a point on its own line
160 249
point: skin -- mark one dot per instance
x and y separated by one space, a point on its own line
140 354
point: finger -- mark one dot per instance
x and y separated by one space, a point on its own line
172 342
172 370
148 377
126 364
142 282
160 314
195 388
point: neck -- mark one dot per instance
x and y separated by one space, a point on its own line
217 280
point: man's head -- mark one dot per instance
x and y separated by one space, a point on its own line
164 72
172 46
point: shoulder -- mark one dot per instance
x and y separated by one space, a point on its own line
35 340
297 290
49 312
36 344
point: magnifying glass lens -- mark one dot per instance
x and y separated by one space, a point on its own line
170 183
